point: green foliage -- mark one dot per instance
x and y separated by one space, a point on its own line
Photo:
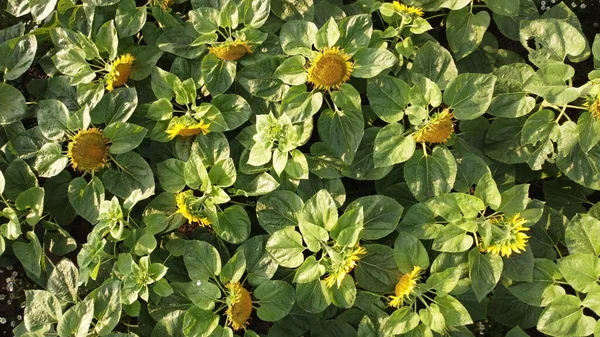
290 168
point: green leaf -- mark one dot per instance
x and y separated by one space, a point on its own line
199 322
309 271
435 62
63 281
388 97
285 247
292 71
581 271
487 191
218 75
41 9
170 325
129 19
470 95
391 147
293 9
589 131
254 13
582 236
202 260
510 99
485 271
344 296
549 82
233 225
564 317
297 37
554 40
369 62
12 104
543 288
327 35
452 239
465 31
235 110
409 252
433 318
29 254
278 210
53 117
355 33
76 321
18 178
342 132
16 55
41 308
312 296
107 307
401 321
454 312
275 299
170 175
320 210
515 199
107 39
86 197
124 137
377 271
116 106
381 215
432 174
508 8
133 174
50 160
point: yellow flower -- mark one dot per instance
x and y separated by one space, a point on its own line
230 51
119 71
438 130
186 127
184 200
507 236
345 266
239 306
330 69
166 4
405 286
87 150
593 105
407 10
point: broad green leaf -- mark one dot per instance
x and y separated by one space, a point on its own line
549 82
377 271
202 260
117 106
30 254
50 160
170 175
17 55
470 95
217 74
401 321
129 19
12 104
391 147
132 174
63 281
41 308
297 37
381 215
454 312
275 299
107 307
581 271
285 246
199 322
432 174
313 296
124 137
327 35
278 210
435 62
320 210
344 296
85 197
355 33
388 97
409 252
465 31
589 131
293 9
485 271
342 132
233 225
582 236
370 62
508 8
564 317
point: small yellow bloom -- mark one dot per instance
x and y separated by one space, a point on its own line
438 130
405 286
186 127
230 51
184 200
507 236
119 71
593 105
341 269
407 10
330 69
87 150
239 306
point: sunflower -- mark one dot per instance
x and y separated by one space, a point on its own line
230 51
507 236
407 10
119 71
239 306
593 105
184 200
405 286
342 268
330 69
87 150
186 126
438 130
166 4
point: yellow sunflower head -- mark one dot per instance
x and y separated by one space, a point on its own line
88 150
339 269
239 306
330 69
119 71
166 4
405 286
230 51
507 236
184 207
438 130
593 105
186 126
411 11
